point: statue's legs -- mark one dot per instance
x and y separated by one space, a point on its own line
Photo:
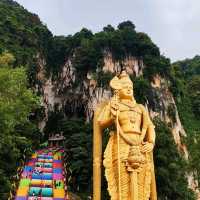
111 171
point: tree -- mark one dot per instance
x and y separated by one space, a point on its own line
6 59
79 146
109 28
141 89
16 103
171 168
194 91
126 24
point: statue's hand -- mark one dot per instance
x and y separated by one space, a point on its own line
147 147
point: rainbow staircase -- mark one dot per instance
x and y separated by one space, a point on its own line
43 177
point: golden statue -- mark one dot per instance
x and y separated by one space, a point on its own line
128 158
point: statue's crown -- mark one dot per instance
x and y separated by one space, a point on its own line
118 81
123 74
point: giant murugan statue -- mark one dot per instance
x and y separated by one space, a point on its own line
128 158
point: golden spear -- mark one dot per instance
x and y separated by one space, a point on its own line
118 154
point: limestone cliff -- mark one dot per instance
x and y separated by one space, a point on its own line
66 94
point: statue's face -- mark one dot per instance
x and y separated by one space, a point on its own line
127 91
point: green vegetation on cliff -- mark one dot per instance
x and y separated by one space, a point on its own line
23 34
186 89
87 49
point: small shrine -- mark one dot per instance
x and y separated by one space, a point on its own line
56 140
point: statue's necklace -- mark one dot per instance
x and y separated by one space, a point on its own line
131 106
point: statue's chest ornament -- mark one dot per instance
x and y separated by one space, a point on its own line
132 116
132 111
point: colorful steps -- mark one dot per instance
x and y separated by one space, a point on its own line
43 177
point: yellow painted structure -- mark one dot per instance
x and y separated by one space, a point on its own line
58 193
22 191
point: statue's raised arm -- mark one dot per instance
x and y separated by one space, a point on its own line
128 158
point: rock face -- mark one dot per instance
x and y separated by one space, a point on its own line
133 65
167 110
66 94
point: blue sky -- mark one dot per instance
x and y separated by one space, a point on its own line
174 25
